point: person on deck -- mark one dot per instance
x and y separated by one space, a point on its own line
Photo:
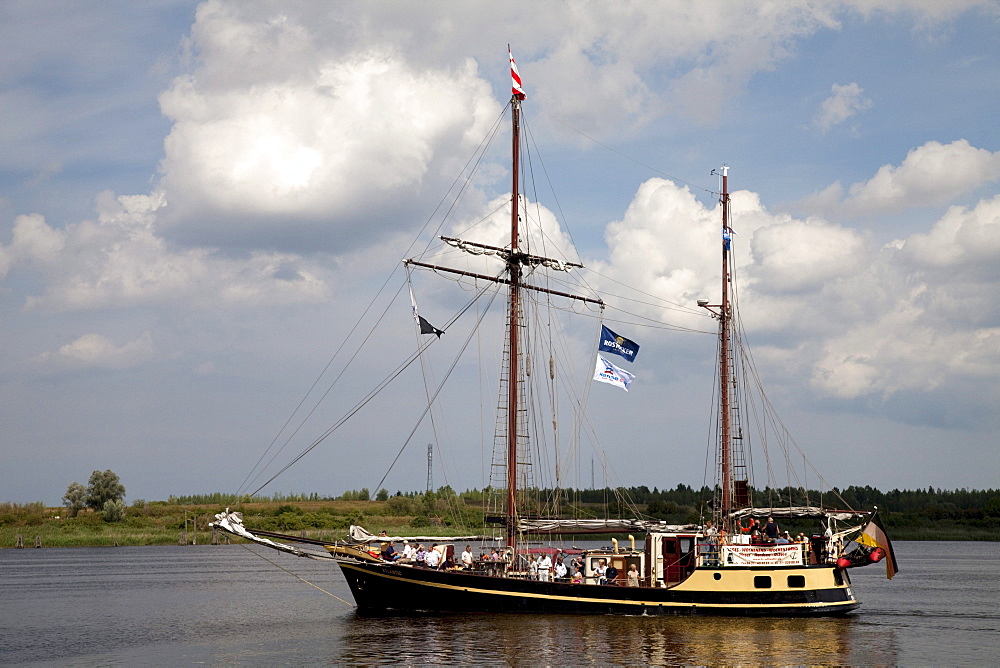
710 548
467 557
408 550
611 575
433 557
602 572
632 576
771 529
420 556
561 570
545 568
753 529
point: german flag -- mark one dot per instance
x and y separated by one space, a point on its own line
874 537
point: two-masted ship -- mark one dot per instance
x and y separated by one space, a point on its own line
728 566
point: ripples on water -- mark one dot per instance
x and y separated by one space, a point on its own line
226 605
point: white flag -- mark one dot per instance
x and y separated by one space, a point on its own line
606 372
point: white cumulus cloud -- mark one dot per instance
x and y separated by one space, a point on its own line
846 101
118 261
931 175
323 150
916 317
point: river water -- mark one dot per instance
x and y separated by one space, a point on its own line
226 604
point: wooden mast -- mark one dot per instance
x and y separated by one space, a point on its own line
726 444
514 276
515 261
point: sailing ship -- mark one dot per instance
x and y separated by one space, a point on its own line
720 567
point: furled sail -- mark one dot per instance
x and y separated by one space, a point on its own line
537 526
798 512
361 535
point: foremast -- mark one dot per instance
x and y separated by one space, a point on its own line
725 319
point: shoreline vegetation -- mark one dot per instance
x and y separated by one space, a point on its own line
907 515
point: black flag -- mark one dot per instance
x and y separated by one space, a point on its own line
428 328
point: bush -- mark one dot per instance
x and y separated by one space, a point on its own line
114 510
104 487
400 505
75 498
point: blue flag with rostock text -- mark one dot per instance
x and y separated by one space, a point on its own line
619 345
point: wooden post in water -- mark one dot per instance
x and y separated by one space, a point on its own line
38 541
19 541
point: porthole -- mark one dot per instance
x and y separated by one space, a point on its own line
717 576
796 581
762 581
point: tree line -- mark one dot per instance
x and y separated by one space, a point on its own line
961 508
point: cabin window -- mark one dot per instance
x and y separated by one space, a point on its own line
762 581
798 581
717 576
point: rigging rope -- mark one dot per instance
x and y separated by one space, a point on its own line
325 394
440 387
296 575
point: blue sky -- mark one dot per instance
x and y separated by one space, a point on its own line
197 199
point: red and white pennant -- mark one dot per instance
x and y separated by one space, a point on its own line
515 78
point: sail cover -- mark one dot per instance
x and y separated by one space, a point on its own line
599 526
798 512
361 535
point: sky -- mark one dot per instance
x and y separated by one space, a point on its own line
199 200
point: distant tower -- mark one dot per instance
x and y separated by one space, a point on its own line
430 466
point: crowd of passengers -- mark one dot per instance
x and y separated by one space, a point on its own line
767 533
541 567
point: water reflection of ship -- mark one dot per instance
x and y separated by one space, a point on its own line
578 640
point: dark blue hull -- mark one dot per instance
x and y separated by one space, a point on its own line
381 587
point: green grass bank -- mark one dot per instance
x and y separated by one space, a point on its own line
171 523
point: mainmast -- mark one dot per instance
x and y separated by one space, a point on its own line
515 261
514 276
